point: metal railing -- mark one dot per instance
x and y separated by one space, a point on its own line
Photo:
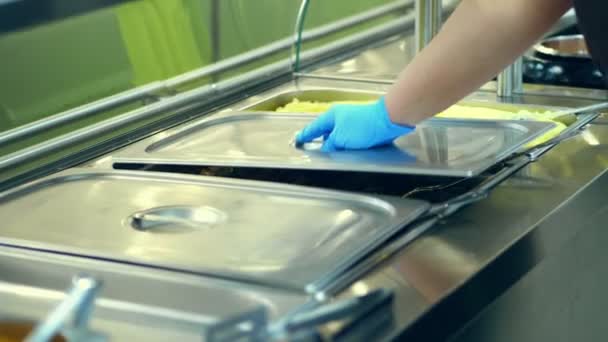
169 87
148 91
510 81
209 92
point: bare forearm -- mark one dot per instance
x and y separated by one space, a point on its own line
480 39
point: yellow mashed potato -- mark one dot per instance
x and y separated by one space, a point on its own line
456 111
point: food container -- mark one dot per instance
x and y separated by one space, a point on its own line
253 232
438 147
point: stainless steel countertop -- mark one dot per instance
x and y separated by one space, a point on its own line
383 62
442 278
467 260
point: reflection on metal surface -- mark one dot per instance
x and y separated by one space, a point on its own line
591 139
449 260
450 147
287 251
383 63
130 307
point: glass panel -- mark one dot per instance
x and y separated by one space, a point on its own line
60 55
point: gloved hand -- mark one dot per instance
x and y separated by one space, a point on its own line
353 127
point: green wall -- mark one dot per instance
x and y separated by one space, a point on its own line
52 68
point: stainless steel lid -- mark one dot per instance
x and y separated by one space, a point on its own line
440 147
291 237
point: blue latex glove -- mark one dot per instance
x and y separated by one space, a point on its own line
353 127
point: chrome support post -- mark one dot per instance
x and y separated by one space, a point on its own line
428 21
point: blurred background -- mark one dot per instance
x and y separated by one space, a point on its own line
57 55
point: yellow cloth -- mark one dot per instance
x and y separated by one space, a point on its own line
456 112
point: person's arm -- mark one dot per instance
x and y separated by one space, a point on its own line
479 39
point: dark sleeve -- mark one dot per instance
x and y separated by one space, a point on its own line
593 22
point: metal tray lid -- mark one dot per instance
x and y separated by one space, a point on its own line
439 147
291 237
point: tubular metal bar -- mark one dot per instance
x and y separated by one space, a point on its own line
510 80
504 83
140 93
428 21
164 104
518 75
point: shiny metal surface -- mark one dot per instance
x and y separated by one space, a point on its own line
466 261
135 303
453 271
149 91
510 80
428 21
71 317
448 147
139 218
383 63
